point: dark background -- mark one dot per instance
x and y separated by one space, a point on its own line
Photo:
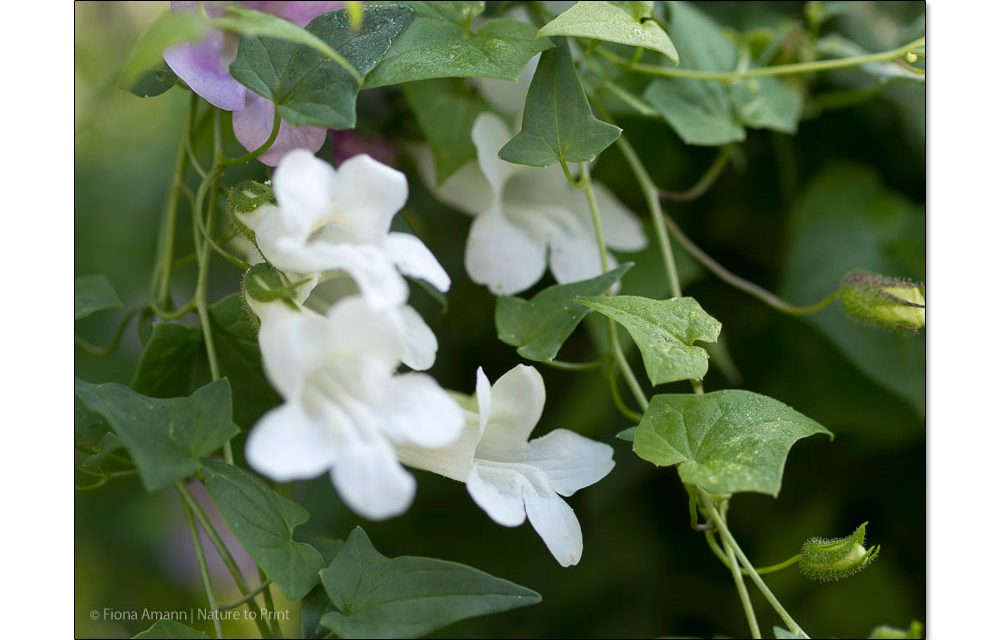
644 573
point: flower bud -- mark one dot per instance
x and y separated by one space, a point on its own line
264 283
892 303
247 197
826 559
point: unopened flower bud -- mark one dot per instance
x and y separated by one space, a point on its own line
893 303
264 283
247 197
825 559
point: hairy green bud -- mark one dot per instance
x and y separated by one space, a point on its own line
244 198
264 283
892 303
828 559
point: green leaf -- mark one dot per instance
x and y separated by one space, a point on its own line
725 441
308 87
711 113
173 362
316 603
170 629
665 331
378 597
153 82
251 23
916 630
92 294
264 521
847 220
166 438
781 632
605 21
558 125
445 111
147 56
442 44
540 326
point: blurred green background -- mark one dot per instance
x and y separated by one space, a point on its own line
792 215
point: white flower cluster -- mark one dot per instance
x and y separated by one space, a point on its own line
334 356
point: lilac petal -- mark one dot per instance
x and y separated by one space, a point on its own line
252 126
302 13
204 66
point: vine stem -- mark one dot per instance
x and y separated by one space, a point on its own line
224 552
745 599
584 182
759 72
737 282
762 571
728 539
165 257
652 196
203 568
707 180
94 350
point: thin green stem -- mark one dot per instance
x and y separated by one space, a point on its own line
759 72
652 196
93 350
202 239
165 255
613 335
745 599
762 571
574 366
269 605
184 309
203 567
714 515
224 553
707 180
613 384
242 601
737 282
275 128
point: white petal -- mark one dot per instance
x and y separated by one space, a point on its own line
305 188
287 444
376 276
506 258
371 194
293 343
371 480
506 96
484 399
466 190
489 135
420 343
419 412
454 461
498 491
356 330
414 259
568 460
556 524
574 255
623 230
517 398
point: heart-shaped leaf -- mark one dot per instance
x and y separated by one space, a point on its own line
725 441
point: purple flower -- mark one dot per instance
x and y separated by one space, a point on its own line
204 66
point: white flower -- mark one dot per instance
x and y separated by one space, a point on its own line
509 476
345 407
331 219
523 213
